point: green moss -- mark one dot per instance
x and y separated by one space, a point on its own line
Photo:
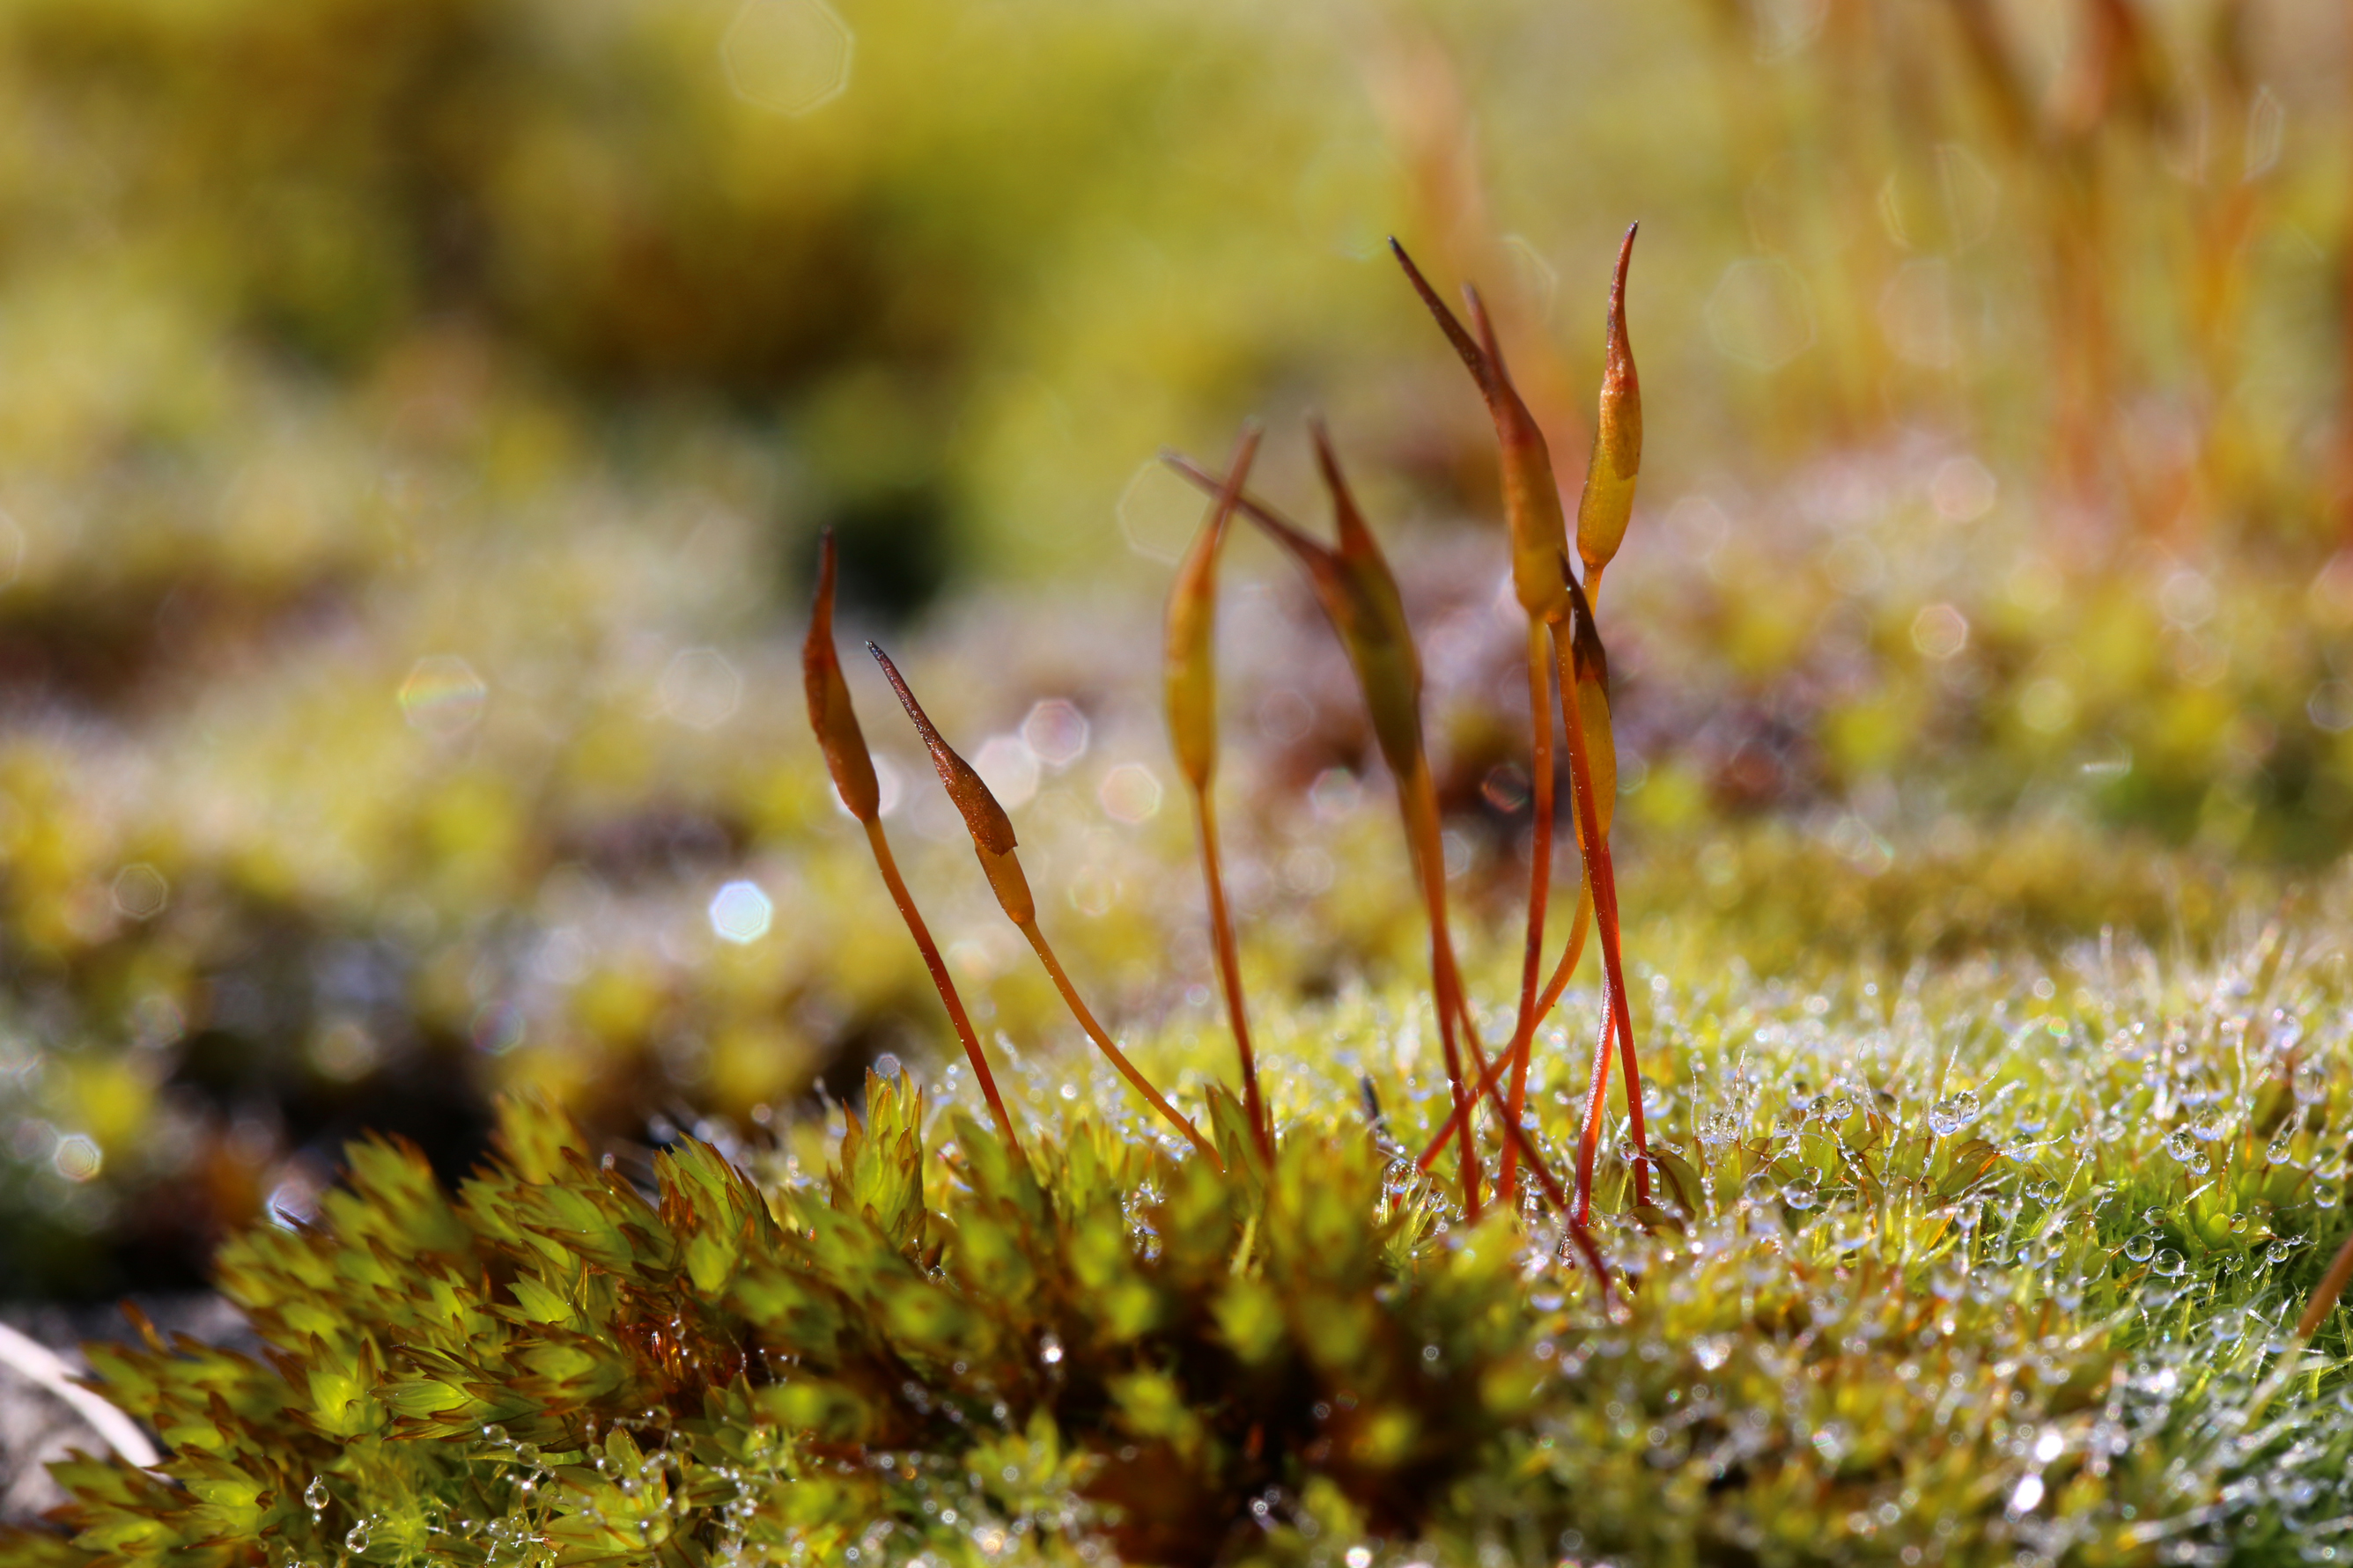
1986 1263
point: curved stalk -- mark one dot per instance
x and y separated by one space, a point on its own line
1417 799
1493 1072
1539 892
1230 975
889 865
1603 877
1095 1032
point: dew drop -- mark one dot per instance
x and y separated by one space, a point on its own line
1801 1193
2167 1264
1952 1114
314 1495
1719 1127
2141 1247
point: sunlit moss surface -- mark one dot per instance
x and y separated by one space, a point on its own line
1970 1263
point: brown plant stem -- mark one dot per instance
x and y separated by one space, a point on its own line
1418 800
1540 768
1602 875
1229 975
1102 1040
889 865
2325 1294
1545 1005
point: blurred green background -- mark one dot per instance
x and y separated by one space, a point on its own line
417 417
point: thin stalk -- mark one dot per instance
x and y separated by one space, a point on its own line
1221 929
1493 1071
1539 892
1604 880
2325 1294
1095 1032
1577 931
2324 1297
1417 799
889 865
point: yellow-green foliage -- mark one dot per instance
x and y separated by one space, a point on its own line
1985 1262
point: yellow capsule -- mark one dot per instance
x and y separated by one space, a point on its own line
1191 671
1608 503
830 713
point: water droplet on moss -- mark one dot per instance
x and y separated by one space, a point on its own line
2169 1263
1801 1193
1952 1112
1719 1127
315 1496
2141 1247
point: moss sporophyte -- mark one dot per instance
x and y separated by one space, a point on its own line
1925 1281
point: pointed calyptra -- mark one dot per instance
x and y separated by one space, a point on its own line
1608 503
991 829
1191 665
1532 509
830 713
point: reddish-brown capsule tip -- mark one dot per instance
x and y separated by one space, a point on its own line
1532 508
991 829
829 711
1481 370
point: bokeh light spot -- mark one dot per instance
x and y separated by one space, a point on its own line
443 697
140 892
1761 314
1963 491
741 912
1159 513
77 1158
790 56
700 689
1940 631
1130 793
1057 732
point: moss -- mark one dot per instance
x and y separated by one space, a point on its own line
1949 1272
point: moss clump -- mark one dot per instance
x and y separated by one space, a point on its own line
1947 1271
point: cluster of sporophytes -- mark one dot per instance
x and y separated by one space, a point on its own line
1937 1275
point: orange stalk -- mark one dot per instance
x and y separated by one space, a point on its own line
2325 1294
1583 646
1222 931
835 721
1494 1072
1358 595
1539 894
1418 800
940 980
1191 683
1095 1032
993 844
